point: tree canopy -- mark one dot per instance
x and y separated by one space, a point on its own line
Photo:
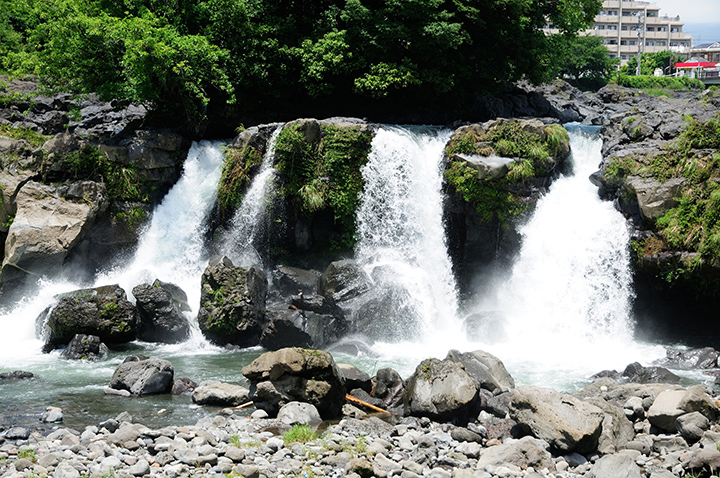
185 56
665 60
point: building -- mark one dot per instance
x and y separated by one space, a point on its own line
708 51
618 24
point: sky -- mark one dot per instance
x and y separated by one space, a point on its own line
701 17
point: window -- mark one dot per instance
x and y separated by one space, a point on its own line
675 29
612 12
632 43
599 27
623 42
652 13
650 43
624 27
627 14
612 27
651 29
611 42
623 57
661 43
613 55
662 29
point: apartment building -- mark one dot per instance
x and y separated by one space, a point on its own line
618 25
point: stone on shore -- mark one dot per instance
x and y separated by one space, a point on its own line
439 390
565 422
212 392
671 404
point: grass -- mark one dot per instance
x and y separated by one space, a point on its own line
33 137
28 455
236 441
299 434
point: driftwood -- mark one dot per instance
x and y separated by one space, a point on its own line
350 398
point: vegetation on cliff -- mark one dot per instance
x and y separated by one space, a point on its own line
494 196
322 171
194 59
693 225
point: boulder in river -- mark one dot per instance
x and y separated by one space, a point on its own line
232 304
143 377
102 311
85 347
161 317
295 374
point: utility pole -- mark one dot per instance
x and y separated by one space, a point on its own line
640 29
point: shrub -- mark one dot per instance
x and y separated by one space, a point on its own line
299 434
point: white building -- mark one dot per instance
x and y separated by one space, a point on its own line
618 25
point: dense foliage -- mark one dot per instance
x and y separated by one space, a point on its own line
649 82
195 57
584 61
665 60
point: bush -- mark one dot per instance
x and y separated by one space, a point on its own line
648 82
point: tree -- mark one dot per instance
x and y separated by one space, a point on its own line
584 60
665 60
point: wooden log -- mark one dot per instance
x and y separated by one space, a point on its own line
356 400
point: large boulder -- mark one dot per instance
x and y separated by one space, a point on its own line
440 390
212 392
295 374
299 328
655 198
671 404
615 466
526 452
232 304
161 317
102 311
49 223
617 430
388 386
143 377
85 347
567 423
487 370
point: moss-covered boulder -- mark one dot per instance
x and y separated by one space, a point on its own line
232 304
103 311
495 172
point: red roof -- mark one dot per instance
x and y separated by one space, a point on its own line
696 64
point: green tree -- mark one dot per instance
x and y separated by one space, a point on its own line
584 60
665 60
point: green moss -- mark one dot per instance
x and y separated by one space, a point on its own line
235 177
621 168
299 434
489 200
325 174
33 137
132 218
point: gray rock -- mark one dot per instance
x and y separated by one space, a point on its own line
526 452
298 413
565 422
355 378
669 405
704 458
212 392
617 430
655 198
144 377
17 433
487 370
161 317
691 426
285 328
439 390
294 374
85 347
65 470
615 466
141 468
232 304
52 415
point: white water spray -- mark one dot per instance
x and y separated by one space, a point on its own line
565 310
239 243
401 235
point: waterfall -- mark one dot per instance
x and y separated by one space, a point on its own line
401 238
240 241
566 308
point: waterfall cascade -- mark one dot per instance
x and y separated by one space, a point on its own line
240 241
401 233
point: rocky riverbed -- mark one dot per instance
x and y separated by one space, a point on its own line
481 426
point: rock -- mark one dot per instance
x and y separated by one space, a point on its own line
487 370
654 198
440 390
355 378
17 433
691 426
298 413
312 303
565 422
692 359
387 385
144 377
161 317
526 452
293 280
212 392
669 405
492 167
183 385
17 374
85 347
103 312
48 224
705 458
65 470
294 374
52 415
232 304
285 329
615 466
617 430
637 373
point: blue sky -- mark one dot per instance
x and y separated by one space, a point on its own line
701 17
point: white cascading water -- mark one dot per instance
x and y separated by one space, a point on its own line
171 249
565 311
401 242
238 242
